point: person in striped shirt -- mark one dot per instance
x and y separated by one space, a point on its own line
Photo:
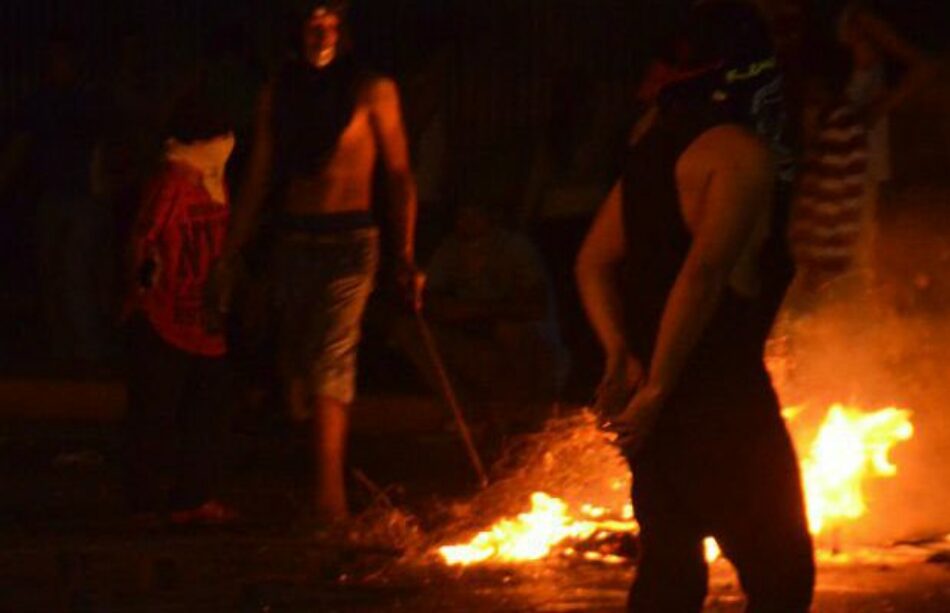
828 221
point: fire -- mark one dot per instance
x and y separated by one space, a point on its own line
533 534
850 447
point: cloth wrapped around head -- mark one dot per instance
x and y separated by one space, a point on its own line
727 59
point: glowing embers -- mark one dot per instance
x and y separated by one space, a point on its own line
851 446
534 534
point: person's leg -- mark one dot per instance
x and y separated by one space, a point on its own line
761 523
294 311
203 422
332 388
300 303
330 420
671 570
155 382
332 335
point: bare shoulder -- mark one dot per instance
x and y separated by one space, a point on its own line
734 139
732 146
379 90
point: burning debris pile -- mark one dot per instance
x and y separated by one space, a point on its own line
572 488
534 534
577 485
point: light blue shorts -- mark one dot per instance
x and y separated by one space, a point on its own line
322 283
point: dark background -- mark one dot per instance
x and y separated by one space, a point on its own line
511 78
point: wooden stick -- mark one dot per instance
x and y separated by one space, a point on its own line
448 394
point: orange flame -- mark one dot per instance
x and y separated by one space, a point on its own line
711 549
532 535
850 447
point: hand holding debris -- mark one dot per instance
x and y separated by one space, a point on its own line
622 375
635 423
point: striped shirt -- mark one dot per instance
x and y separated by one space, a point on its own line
827 215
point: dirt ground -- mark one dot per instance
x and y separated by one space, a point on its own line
65 544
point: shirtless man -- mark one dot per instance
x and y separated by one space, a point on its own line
321 123
681 275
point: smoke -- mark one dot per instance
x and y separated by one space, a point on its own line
877 338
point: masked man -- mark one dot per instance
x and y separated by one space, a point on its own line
321 125
681 275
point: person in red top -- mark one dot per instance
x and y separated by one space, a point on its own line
177 417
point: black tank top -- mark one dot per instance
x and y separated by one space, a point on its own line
657 242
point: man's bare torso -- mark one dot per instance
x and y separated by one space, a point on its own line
344 183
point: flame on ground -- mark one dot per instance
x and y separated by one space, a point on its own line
850 447
532 535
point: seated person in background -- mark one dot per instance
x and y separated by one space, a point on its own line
490 306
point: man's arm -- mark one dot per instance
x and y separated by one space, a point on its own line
256 183
599 260
919 68
597 269
739 192
391 138
246 212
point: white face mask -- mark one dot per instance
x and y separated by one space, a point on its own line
207 156
202 154
220 148
321 36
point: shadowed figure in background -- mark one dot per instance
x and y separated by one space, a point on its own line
682 273
55 143
825 226
321 124
872 46
489 300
